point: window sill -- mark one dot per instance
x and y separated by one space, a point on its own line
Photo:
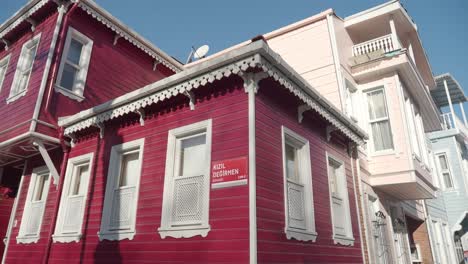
119 235
184 232
68 93
345 241
66 238
15 97
383 153
301 235
27 239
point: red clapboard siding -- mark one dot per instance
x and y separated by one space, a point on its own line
113 70
276 107
22 109
227 242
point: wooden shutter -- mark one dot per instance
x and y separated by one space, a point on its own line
296 205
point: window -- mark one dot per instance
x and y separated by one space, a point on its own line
3 69
187 182
74 65
350 100
444 170
33 212
73 200
24 69
121 199
379 120
298 195
340 211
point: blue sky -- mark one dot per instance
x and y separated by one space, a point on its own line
175 26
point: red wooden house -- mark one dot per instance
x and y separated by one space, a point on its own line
134 159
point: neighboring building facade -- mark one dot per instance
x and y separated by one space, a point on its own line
448 213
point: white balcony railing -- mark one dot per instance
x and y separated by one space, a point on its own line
384 43
450 121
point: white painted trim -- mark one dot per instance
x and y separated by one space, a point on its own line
48 161
336 60
4 62
347 240
22 237
79 84
45 76
59 235
174 135
305 173
446 153
15 95
112 176
7 238
220 185
24 13
357 200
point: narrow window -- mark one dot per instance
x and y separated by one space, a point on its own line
300 221
3 69
340 211
186 183
379 120
73 200
74 65
444 170
33 212
351 100
121 199
24 69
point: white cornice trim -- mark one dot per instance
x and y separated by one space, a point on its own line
125 32
257 56
21 16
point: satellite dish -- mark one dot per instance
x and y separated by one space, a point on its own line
201 52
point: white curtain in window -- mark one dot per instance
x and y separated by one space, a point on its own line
378 118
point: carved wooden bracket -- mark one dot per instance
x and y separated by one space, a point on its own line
300 111
330 129
32 22
155 64
191 97
101 129
141 112
116 39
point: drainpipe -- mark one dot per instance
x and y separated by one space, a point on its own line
57 57
13 213
63 169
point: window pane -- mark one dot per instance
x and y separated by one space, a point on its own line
128 167
333 170
39 193
68 76
377 108
28 60
291 162
381 135
447 180
192 156
74 52
77 183
443 162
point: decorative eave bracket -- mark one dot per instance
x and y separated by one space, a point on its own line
6 42
155 64
330 129
351 148
141 112
116 39
191 97
301 110
48 161
32 22
101 129
251 80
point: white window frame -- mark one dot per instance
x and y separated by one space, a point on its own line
308 233
348 239
167 229
23 237
14 94
387 118
4 62
106 233
79 84
440 171
351 106
61 235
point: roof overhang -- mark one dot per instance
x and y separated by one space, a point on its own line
256 55
454 88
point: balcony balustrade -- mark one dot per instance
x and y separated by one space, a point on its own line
384 44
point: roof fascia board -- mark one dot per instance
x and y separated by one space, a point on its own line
22 14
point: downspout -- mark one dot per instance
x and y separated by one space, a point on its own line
63 169
359 197
13 213
429 230
57 57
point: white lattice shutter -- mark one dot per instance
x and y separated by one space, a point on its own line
122 205
296 205
36 211
73 214
339 218
188 200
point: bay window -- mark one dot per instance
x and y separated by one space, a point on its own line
379 121
298 194
185 211
444 170
122 189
